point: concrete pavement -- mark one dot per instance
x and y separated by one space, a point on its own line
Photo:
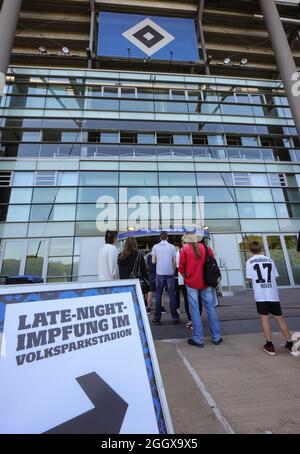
232 388
238 315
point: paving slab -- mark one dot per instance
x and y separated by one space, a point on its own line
253 392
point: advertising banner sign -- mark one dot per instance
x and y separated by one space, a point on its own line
138 36
79 358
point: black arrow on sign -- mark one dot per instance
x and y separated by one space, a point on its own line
106 418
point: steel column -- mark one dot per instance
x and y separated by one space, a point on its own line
9 15
201 35
92 34
283 55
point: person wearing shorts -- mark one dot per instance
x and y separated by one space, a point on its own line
262 273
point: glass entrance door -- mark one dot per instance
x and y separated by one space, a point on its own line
294 259
283 250
276 252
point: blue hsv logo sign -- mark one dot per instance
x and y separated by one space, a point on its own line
138 36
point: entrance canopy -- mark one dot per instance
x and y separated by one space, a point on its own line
147 233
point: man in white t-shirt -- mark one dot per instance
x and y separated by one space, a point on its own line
108 269
164 256
262 273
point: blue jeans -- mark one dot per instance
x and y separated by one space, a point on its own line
169 281
208 300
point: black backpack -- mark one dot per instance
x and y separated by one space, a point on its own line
211 272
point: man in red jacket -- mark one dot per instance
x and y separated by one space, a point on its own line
191 266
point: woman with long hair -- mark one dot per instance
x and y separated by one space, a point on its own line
191 266
128 259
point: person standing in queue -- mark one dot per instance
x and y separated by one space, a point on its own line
181 288
191 266
128 259
164 256
108 258
298 244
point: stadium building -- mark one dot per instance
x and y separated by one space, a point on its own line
106 102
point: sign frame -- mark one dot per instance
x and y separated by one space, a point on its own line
44 288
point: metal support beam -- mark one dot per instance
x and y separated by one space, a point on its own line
9 15
201 35
92 34
283 55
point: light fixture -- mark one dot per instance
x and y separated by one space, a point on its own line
131 229
66 50
227 61
244 61
42 50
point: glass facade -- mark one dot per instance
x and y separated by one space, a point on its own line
70 137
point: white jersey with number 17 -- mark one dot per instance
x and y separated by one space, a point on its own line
263 273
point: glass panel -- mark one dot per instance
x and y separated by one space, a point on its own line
276 254
253 195
259 225
138 179
182 192
249 141
142 192
101 104
31 136
23 179
21 195
215 140
50 229
220 211
282 210
217 194
75 271
278 195
109 137
90 228
66 195
98 179
211 179
68 179
87 212
70 137
18 213
35 258
136 106
177 179
60 266
259 210
146 138
181 139
12 258
291 245
89 195
61 246
259 179
59 103
40 213
51 195
77 242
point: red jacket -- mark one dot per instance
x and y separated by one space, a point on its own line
191 267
